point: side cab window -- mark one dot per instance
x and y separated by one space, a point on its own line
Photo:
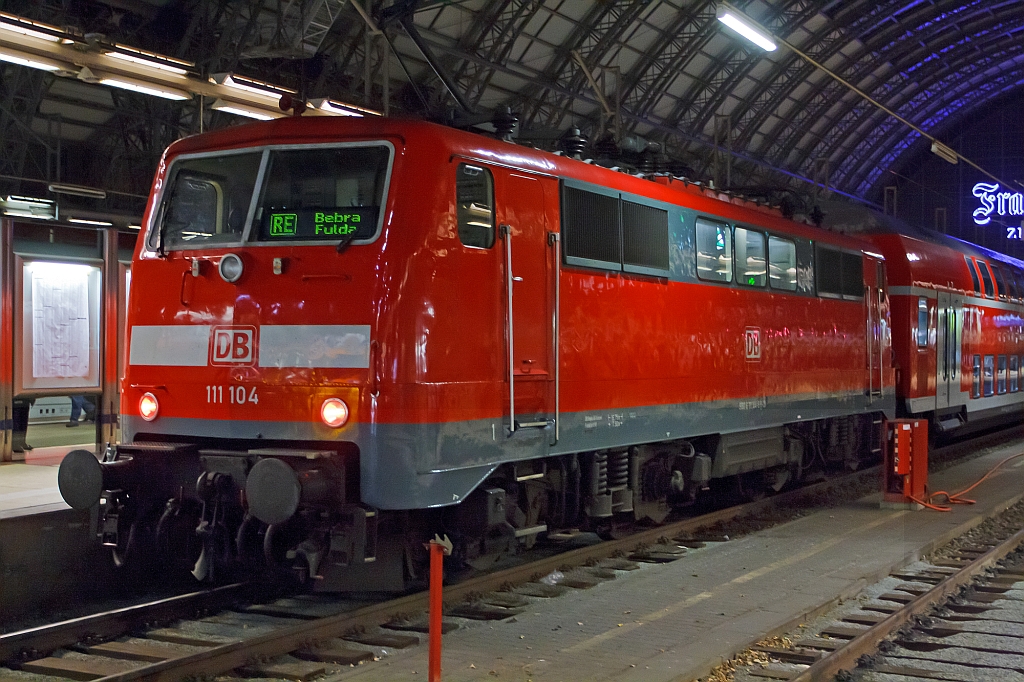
474 201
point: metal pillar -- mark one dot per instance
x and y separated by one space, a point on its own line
107 409
6 336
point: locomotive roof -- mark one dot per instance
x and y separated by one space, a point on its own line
312 129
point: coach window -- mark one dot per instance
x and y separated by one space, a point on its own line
1011 284
714 251
1013 374
1001 376
474 192
853 275
781 264
922 322
976 383
974 274
988 374
986 279
750 262
1004 293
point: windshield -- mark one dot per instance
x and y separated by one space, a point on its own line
311 194
208 200
322 194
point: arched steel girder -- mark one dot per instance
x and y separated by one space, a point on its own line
676 46
492 37
956 102
697 107
592 38
848 111
936 90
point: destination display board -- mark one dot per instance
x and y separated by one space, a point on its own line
318 224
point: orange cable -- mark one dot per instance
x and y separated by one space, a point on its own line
956 498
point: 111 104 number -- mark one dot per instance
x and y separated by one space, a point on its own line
237 395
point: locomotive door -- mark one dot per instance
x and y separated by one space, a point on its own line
529 289
947 350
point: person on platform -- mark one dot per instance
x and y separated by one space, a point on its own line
79 404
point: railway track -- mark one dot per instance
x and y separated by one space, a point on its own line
958 617
221 630
133 643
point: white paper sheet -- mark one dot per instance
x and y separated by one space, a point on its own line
60 323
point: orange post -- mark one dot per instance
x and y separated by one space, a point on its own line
438 549
905 472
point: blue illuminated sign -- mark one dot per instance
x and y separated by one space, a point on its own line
994 201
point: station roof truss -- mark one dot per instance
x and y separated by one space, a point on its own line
662 76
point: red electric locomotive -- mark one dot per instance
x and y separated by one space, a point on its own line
348 335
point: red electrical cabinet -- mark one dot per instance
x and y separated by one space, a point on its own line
905 471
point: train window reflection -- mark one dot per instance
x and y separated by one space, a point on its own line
781 264
922 322
714 251
474 199
1013 373
750 261
988 376
207 201
1001 376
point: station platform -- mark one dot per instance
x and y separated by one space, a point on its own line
677 621
29 486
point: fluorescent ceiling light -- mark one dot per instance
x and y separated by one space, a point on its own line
15 213
83 221
28 28
145 88
28 200
945 153
746 27
135 227
241 110
250 85
32 62
150 59
77 190
338 109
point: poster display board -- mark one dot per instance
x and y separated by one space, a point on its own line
60 326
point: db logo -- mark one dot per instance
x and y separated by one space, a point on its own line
752 341
233 346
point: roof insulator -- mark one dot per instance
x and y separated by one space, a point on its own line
505 123
574 143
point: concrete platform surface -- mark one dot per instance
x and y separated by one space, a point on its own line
676 621
30 487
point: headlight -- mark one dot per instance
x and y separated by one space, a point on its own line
334 412
148 407
230 268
